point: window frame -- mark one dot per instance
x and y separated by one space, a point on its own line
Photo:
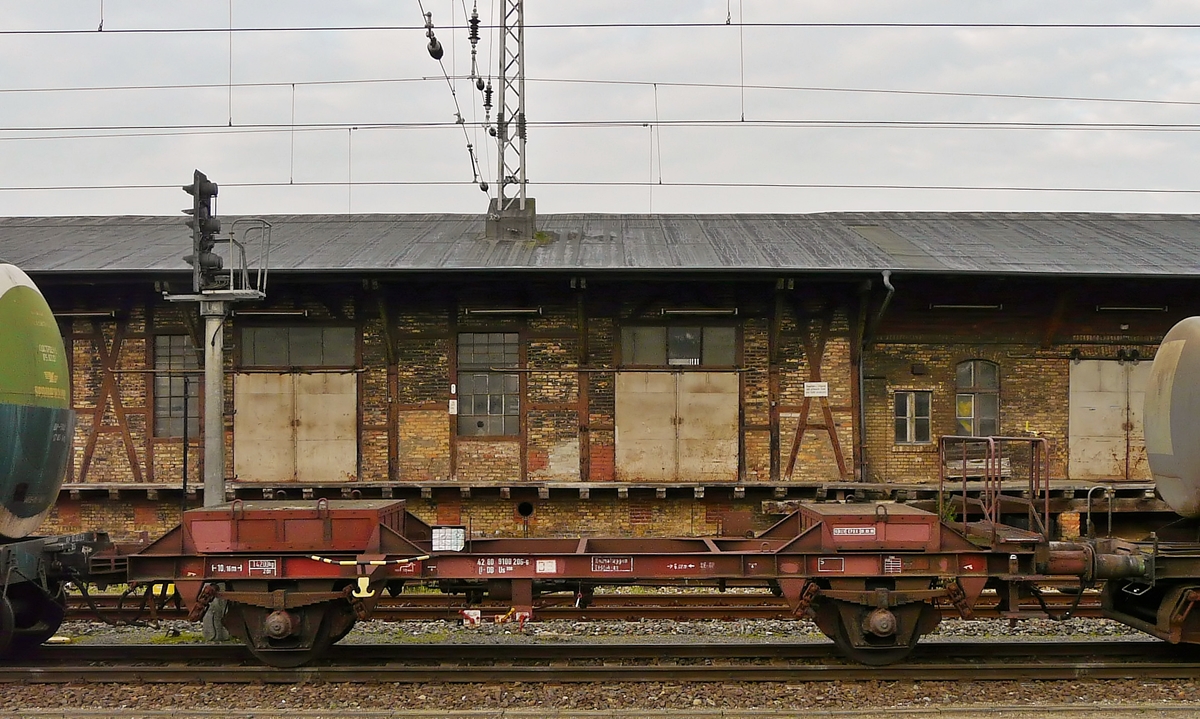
247 359
679 362
911 417
979 395
511 385
177 367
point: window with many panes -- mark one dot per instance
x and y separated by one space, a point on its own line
977 403
489 399
694 346
176 377
298 347
911 415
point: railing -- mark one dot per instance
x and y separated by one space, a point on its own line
242 276
994 458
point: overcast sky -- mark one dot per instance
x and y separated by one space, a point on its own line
277 124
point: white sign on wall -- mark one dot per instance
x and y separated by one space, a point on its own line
816 389
453 406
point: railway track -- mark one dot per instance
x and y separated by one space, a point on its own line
639 662
408 607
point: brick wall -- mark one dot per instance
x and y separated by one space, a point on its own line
424 445
124 519
488 461
1034 397
406 433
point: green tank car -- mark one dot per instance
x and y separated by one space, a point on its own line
36 420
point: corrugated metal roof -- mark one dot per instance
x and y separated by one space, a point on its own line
1006 243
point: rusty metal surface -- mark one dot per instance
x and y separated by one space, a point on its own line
269 526
994 243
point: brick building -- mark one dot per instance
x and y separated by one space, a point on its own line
631 374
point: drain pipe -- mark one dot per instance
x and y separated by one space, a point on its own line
868 340
872 328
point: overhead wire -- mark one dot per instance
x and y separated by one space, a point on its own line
169 129
640 183
596 81
435 51
900 24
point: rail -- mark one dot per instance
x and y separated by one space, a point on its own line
592 663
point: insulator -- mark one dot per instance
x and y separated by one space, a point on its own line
479 83
487 96
435 49
483 186
473 33
521 126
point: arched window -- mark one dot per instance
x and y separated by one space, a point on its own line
977 403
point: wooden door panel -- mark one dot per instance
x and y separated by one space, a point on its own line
645 427
1105 421
326 427
263 431
1139 380
708 426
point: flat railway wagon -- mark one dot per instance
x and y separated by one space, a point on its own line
297 576
35 435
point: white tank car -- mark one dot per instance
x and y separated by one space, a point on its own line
1172 418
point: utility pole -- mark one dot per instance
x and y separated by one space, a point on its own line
512 214
216 289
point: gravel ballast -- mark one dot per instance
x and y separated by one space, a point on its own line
625 699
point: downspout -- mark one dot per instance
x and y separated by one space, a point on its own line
868 340
869 337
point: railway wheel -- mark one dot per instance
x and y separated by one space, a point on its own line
289 638
37 615
6 624
875 636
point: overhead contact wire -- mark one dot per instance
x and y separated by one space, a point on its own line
435 51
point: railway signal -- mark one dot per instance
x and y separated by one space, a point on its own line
215 291
205 263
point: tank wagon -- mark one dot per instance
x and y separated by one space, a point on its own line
36 423
1162 601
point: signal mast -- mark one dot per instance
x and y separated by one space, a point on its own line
511 214
216 288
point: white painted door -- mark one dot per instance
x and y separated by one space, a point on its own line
677 426
1105 416
295 427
